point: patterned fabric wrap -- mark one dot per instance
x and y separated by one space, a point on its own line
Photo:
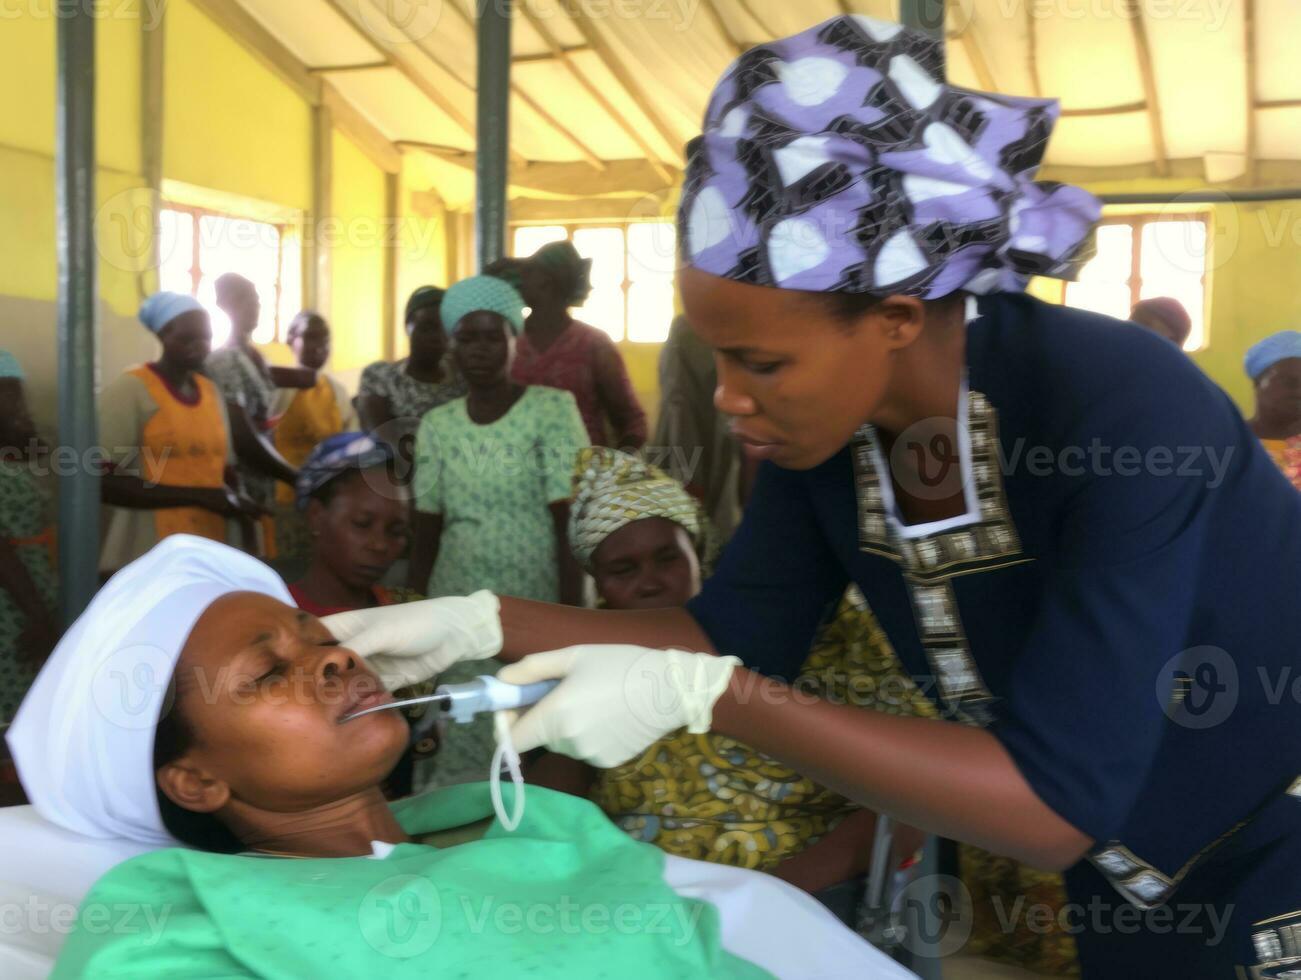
483 293
9 366
335 456
612 489
1265 354
839 160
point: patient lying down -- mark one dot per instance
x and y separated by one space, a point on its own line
193 703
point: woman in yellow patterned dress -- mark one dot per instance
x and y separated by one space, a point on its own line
709 797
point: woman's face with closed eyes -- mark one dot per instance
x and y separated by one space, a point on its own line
262 687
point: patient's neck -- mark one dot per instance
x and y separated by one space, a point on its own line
343 828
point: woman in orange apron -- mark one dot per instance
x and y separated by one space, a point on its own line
308 416
166 436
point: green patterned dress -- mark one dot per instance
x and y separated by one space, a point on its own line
494 485
24 518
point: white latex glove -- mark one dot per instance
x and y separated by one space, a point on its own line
414 641
615 700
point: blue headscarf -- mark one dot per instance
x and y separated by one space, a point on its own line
1279 347
9 366
483 293
162 308
335 456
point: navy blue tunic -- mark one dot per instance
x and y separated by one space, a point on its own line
1121 608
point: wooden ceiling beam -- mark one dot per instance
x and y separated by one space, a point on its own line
399 60
349 121
1105 110
1144 49
543 56
1032 50
977 58
342 69
763 25
563 56
594 39
518 92
715 16
263 45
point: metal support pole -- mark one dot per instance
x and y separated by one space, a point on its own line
923 15
77 334
1263 195
492 134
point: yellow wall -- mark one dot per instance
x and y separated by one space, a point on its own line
1254 265
358 235
28 261
1254 287
229 123
426 242
27 197
230 126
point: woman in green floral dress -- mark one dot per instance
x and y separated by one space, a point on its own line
27 585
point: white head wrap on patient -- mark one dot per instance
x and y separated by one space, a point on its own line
83 738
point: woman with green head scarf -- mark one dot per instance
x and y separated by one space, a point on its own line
491 488
558 351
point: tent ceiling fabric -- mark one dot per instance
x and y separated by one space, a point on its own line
1142 82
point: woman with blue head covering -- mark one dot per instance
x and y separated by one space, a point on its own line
28 590
1274 366
357 515
356 511
166 437
1043 507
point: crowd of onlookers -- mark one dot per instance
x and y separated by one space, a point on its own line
500 453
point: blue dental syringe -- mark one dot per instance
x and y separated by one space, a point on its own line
461 702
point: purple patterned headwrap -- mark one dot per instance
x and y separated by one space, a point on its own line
838 160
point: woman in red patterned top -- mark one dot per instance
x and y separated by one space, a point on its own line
560 352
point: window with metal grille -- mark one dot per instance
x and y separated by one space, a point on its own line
632 274
196 246
1145 255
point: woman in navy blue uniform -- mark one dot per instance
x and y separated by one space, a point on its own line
1068 533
